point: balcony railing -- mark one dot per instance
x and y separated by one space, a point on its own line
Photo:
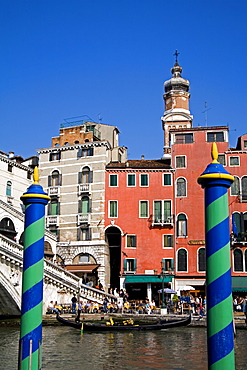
83 218
162 222
52 221
240 238
83 188
53 190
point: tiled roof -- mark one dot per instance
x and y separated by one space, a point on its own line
141 163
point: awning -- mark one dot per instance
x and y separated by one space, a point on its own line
146 279
81 268
239 283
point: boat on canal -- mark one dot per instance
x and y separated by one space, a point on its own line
125 325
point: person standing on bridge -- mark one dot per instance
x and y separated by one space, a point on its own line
74 300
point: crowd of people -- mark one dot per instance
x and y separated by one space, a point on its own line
122 304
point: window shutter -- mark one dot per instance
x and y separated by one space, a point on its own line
79 206
79 153
172 264
78 233
49 208
58 208
90 205
49 180
134 265
60 179
90 180
79 177
90 151
125 265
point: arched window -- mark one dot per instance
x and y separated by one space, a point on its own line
84 205
9 188
238 260
235 187
55 178
181 187
7 228
86 175
244 188
182 260
53 207
181 225
201 260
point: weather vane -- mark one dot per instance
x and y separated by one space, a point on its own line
176 54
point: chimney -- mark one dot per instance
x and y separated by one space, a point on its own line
11 154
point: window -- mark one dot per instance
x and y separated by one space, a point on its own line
180 161
84 205
9 188
131 179
168 241
85 176
143 210
222 159
215 137
144 179
113 180
84 233
234 161
201 260
167 179
162 211
85 152
55 156
129 265
238 260
235 187
181 225
239 226
182 260
113 208
10 167
181 187
55 178
131 241
183 138
168 264
245 144
29 175
244 189
84 258
53 207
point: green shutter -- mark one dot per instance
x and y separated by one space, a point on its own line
167 209
125 265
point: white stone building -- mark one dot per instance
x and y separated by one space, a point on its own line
72 171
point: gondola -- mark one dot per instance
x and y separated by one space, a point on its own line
125 325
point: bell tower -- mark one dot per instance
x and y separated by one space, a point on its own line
176 100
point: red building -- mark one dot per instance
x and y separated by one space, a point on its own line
155 208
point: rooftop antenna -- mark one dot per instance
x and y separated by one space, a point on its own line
205 112
99 118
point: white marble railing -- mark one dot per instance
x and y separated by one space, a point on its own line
53 273
95 295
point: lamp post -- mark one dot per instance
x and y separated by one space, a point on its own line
162 285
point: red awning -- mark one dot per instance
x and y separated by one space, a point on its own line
81 268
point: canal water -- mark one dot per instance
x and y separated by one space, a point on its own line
65 348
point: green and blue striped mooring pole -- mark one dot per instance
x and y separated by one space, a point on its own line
220 331
30 345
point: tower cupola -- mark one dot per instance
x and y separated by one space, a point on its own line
176 101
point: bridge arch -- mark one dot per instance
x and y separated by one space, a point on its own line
10 300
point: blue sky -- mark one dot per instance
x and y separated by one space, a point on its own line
62 59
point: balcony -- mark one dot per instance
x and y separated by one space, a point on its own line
53 191
162 222
52 221
83 218
241 238
84 188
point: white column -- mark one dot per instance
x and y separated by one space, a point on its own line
149 292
